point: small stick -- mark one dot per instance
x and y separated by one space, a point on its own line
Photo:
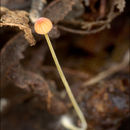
109 72
36 7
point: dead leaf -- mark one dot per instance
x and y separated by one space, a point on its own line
17 19
11 54
13 72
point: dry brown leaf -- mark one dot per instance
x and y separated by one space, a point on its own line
11 54
17 19
13 72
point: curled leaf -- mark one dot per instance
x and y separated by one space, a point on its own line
17 19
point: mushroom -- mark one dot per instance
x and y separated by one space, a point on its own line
43 26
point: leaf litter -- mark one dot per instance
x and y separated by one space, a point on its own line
17 19
31 83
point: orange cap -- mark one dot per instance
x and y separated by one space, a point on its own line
43 25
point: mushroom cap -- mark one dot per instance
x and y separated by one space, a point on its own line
43 25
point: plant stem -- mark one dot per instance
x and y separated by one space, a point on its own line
70 94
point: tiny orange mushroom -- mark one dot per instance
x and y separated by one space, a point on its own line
43 25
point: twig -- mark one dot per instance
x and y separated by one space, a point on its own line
76 31
36 7
109 72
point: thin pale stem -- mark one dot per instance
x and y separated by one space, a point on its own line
70 94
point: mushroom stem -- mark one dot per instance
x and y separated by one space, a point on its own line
70 94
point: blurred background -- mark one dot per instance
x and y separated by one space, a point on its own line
91 39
